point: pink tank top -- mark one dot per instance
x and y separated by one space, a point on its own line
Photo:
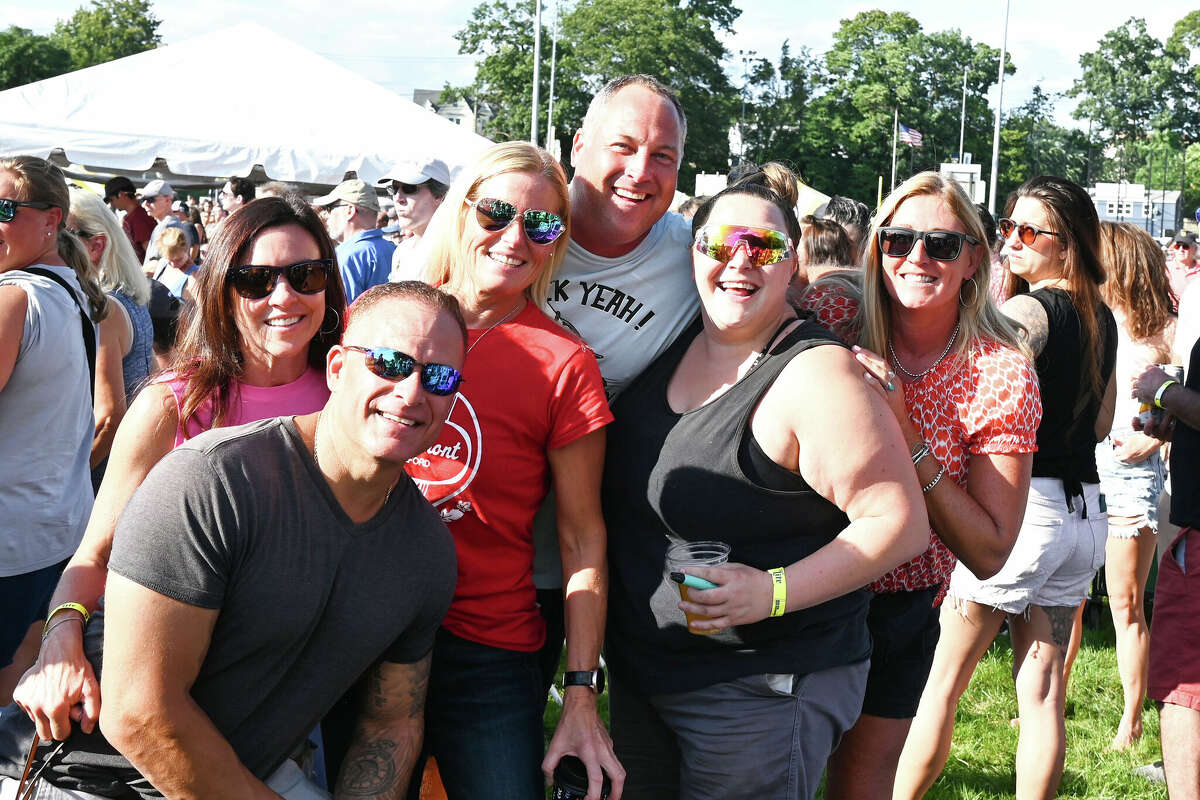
304 395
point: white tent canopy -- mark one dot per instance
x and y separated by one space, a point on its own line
264 101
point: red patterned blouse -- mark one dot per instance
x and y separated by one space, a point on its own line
988 402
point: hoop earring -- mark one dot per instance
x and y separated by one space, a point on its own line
974 298
337 326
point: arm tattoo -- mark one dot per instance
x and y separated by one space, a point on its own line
1029 314
369 770
1061 619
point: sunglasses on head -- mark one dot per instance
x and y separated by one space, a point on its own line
439 379
8 208
404 188
306 277
542 227
1026 233
939 245
763 246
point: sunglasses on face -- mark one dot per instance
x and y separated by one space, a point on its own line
939 245
404 188
8 208
439 379
542 227
763 246
306 277
1026 233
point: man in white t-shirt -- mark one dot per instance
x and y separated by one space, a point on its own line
625 286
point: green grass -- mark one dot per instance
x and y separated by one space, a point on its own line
981 760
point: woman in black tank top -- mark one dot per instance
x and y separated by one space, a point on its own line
757 429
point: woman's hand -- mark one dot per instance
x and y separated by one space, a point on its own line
61 686
1135 449
743 595
881 378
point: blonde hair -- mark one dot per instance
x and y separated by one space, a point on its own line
449 266
36 179
979 318
172 242
118 267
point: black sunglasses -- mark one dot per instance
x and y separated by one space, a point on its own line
939 245
1025 232
306 277
439 379
8 208
404 188
542 227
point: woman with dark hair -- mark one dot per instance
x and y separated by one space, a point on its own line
1051 237
731 435
1129 464
824 247
48 306
955 375
253 346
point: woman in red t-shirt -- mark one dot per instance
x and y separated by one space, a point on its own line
966 395
529 416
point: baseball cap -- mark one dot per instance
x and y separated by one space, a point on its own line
157 187
417 171
1185 237
114 186
354 191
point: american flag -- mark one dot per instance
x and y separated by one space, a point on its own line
910 136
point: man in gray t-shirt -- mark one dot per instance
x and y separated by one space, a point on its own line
260 570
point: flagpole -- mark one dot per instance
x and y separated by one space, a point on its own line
962 125
537 57
895 131
999 105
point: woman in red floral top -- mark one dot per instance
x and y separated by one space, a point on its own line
957 376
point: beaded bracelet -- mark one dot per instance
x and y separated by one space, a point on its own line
936 478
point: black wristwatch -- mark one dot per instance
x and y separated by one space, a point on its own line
593 679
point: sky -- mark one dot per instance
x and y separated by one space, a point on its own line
410 44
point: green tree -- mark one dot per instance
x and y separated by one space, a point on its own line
598 40
1031 144
782 121
883 61
26 57
110 29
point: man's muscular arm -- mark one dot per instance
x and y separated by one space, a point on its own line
387 739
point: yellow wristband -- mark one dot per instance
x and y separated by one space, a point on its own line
778 591
66 607
1158 396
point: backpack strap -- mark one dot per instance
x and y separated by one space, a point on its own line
89 330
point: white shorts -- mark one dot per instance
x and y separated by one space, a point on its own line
1056 555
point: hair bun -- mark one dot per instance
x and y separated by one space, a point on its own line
779 179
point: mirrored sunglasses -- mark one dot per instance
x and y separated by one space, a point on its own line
1026 233
439 379
306 277
939 245
763 246
542 227
8 208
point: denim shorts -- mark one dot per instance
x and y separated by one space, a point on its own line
1058 550
1131 490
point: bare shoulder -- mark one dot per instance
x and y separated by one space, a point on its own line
1030 314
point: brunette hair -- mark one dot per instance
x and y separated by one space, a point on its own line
449 266
825 241
1137 278
774 183
37 180
1073 218
209 354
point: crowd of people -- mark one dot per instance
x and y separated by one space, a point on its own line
302 492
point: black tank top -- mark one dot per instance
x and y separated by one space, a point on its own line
1185 458
671 478
1066 439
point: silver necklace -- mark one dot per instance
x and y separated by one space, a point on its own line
924 372
317 459
495 325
